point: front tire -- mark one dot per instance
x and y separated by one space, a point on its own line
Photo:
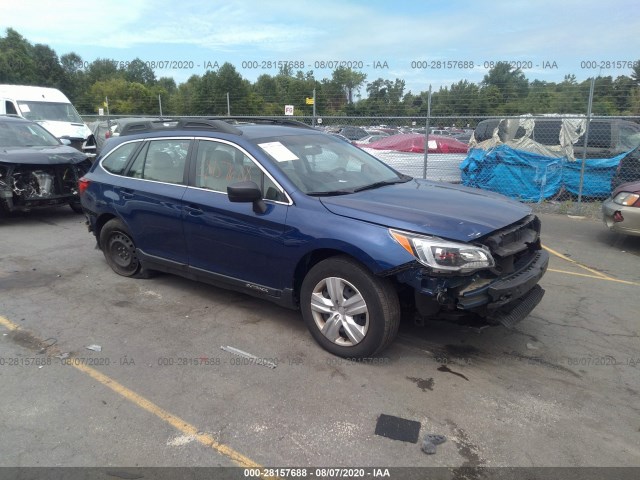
349 312
120 251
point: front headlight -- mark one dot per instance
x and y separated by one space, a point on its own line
627 199
444 255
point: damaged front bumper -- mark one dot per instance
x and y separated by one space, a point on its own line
23 187
508 299
505 299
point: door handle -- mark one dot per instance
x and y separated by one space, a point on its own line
126 194
193 210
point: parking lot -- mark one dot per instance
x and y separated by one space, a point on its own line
559 390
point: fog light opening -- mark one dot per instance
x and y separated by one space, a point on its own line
617 217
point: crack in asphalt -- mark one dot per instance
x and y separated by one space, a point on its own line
582 327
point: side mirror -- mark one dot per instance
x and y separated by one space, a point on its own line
247 192
65 140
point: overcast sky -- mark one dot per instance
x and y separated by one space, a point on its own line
548 38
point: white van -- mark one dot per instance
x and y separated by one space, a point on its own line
51 109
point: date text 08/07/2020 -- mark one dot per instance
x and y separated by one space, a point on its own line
329 64
325 472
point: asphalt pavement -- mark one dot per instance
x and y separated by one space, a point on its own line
561 389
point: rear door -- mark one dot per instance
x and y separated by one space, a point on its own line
149 197
230 239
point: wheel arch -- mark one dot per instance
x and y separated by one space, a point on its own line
313 257
100 222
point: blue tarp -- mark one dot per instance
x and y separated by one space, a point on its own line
531 177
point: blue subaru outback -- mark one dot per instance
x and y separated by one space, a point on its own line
287 213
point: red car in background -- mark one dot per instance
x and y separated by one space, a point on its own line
405 153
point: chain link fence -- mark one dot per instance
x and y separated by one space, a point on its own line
529 158
566 161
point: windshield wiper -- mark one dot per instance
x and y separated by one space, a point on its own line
330 193
403 179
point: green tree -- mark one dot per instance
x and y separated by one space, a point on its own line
604 102
384 97
168 84
73 82
348 80
541 98
103 69
183 101
230 82
570 96
139 72
125 98
48 71
635 72
17 64
623 86
510 84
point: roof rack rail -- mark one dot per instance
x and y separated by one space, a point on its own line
262 121
148 125
208 123
195 123
217 124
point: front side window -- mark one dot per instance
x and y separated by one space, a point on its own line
161 161
219 165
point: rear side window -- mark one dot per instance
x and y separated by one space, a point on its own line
599 135
161 161
117 159
547 132
629 135
10 108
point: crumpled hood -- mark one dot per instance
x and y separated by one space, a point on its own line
57 154
431 208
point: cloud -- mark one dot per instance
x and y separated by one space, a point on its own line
377 30
69 22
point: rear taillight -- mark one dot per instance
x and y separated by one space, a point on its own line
83 184
107 134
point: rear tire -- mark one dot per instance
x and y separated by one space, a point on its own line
349 312
120 250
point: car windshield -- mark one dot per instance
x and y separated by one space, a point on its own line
24 134
57 112
324 165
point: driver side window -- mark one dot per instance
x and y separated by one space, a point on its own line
219 165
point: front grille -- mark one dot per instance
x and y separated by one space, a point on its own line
514 245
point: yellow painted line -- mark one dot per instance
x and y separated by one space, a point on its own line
577 264
597 277
176 422
8 324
